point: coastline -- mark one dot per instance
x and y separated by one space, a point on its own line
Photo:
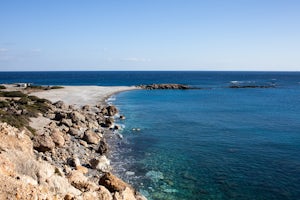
83 95
71 138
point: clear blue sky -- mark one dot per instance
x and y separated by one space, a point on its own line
149 35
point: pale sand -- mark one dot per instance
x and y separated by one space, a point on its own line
82 95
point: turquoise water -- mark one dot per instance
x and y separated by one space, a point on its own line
214 143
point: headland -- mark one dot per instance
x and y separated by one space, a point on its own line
58 149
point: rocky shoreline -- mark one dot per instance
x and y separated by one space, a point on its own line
64 157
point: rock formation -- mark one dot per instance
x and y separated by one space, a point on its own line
61 158
165 86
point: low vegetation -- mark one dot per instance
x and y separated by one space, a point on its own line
40 87
16 108
2 87
12 94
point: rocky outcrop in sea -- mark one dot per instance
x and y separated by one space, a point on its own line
167 86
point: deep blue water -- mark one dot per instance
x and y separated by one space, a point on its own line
214 143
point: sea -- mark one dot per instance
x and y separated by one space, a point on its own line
211 142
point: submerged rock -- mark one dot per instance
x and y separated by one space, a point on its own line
155 176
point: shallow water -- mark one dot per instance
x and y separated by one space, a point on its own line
212 144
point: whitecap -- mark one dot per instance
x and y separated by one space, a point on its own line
234 82
111 98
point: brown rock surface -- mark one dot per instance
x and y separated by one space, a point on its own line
58 137
103 147
112 183
91 137
43 143
109 110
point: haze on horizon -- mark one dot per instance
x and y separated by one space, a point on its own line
243 35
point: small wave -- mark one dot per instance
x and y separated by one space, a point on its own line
235 82
111 99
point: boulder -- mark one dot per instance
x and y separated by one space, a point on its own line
43 143
101 164
76 117
108 122
93 125
58 138
127 194
91 137
86 108
74 161
79 181
103 147
74 131
60 104
101 193
82 169
67 122
112 183
83 143
109 110
59 116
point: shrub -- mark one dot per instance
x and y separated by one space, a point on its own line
24 100
38 87
18 121
31 104
12 94
4 104
2 87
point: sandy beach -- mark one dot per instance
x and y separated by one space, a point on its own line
82 95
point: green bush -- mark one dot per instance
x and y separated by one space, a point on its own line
4 104
33 98
12 94
18 121
31 104
2 87
39 87
24 100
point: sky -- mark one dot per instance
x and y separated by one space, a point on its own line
71 35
